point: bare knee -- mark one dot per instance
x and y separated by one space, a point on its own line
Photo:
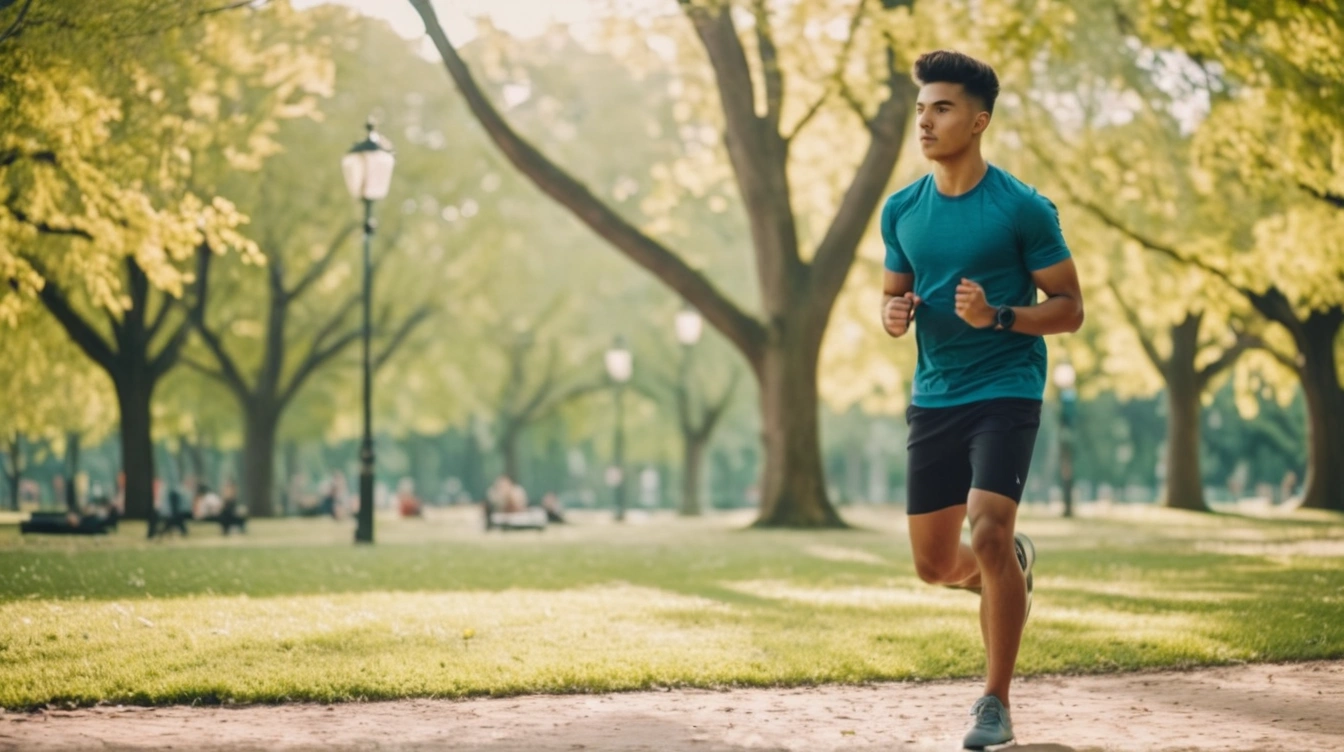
991 541
934 570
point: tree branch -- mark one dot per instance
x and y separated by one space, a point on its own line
229 373
769 54
548 383
10 157
837 79
835 254
720 406
159 318
573 393
316 359
319 267
204 370
81 331
1132 317
1331 199
741 329
48 229
1208 373
759 156
160 363
807 116
417 317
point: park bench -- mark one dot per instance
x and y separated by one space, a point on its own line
532 518
67 523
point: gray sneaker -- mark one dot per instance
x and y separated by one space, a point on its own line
1026 556
993 727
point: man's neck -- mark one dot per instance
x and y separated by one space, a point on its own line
961 173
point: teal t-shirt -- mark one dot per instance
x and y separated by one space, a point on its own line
996 234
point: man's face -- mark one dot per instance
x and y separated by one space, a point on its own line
948 119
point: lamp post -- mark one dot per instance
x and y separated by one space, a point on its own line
689 326
1065 378
368 175
620 365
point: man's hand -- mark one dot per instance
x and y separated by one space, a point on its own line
899 312
972 306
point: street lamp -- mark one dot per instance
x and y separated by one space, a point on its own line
368 175
620 365
1065 378
689 326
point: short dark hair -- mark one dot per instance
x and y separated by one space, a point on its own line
947 66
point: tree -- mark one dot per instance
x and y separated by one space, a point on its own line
797 294
697 417
48 393
1277 119
1248 110
129 192
1187 380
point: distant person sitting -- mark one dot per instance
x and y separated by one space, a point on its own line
208 506
554 511
330 499
506 508
517 499
170 512
407 503
205 504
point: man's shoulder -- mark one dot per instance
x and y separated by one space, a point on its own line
899 200
1009 186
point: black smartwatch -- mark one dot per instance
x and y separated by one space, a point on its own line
1005 317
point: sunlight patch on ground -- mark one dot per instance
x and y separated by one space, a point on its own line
1134 589
509 620
1315 548
840 553
1130 627
859 597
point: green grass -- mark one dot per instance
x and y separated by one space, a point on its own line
294 611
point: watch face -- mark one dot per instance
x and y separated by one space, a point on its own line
1006 317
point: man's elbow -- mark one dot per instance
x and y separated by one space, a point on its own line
1076 320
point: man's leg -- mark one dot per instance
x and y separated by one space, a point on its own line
938 477
1003 601
940 556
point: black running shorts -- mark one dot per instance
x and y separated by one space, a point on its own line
985 445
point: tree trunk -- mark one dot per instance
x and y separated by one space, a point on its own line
14 472
1325 411
508 450
793 490
473 478
692 467
257 490
134 392
291 454
1185 485
71 471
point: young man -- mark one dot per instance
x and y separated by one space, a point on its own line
968 246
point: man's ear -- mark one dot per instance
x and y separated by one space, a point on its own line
981 123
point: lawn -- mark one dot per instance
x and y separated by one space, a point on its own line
439 608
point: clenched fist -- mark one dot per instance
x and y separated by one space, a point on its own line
972 306
899 312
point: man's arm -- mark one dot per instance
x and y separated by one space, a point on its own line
1061 312
898 302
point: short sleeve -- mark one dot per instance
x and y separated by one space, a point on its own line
1038 233
897 261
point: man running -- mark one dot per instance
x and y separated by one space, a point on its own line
968 246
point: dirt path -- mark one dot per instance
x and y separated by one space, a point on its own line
1297 707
